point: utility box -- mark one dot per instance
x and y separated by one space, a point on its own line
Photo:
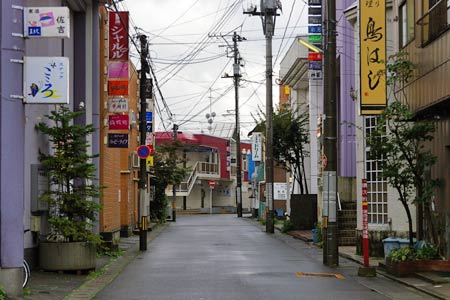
39 185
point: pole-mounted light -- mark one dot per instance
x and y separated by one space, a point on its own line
310 46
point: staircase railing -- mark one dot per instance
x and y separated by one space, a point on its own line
199 168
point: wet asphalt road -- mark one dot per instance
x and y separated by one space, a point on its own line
221 257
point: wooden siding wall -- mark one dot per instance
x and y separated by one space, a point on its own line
431 83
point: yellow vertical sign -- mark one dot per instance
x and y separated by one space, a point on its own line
372 31
149 161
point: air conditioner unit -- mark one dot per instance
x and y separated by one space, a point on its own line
135 160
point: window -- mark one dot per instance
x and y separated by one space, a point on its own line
434 20
406 22
377 197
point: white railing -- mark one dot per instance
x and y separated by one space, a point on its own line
201 168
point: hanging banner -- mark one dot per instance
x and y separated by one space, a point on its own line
118 35
118 140
46 80
118 105
118 88
118 122
46 22
373 56
257 146
118 69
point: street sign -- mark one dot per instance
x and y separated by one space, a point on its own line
149 127
315 74
314 19
149 116
151 149
149 161
315 38
143 151
315 29
212 183
315 65
313 56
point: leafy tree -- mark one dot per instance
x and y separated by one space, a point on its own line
399 140
290 137
166 171
71 196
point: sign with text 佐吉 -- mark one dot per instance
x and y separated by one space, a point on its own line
46 22
373 56
46 80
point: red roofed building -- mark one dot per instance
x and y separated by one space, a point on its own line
209 158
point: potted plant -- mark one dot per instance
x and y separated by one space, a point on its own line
71 243
404 261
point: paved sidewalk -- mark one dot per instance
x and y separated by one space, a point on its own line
58 286
436 284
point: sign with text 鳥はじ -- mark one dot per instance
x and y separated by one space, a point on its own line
46 80
47 22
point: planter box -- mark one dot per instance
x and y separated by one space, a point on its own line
405 268
76 256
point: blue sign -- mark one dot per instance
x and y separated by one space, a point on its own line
143 151
34 31
149 116
315 29
149 127
315 65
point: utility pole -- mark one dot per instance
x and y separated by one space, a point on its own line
268 15
143 92
174 189
330 228
236 77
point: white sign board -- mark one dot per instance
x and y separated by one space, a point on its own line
47 22
257 146
280 191
117 105
46 80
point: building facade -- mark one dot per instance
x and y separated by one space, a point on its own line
20 143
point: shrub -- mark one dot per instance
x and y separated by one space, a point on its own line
287 226
425 252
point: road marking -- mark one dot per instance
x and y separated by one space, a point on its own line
318 274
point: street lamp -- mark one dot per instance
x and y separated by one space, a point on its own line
210 117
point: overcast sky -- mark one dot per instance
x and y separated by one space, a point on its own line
189 55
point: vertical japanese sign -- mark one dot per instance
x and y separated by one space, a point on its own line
46 22
257 146
118 35
372 29
46 80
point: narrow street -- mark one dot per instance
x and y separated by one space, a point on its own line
223 257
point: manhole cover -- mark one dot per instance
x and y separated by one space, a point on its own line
318 274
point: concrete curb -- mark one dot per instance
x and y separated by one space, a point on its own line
90 288
396 279
393 278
